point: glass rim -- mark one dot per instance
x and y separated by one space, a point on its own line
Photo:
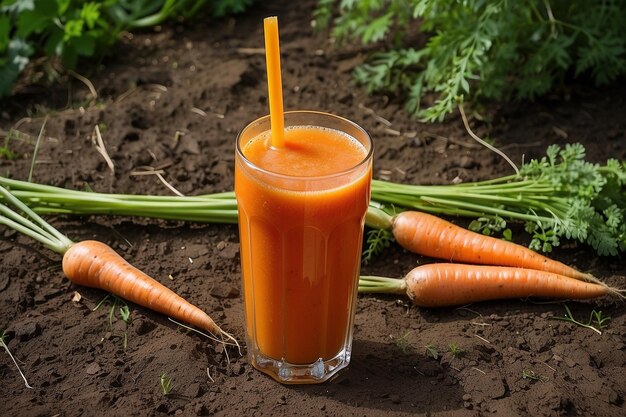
253 166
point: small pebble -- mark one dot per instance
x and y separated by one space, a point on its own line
93 368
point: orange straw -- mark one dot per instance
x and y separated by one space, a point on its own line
274 83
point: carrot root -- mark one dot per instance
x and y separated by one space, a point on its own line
441 285
95 264
432 236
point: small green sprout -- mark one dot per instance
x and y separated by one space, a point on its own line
533 376
166 383
403 342
431 350
5 151
124 312
456 351
597 321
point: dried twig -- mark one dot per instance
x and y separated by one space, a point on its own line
85 81
485 144
3 344
159 174
32 164
102 149
479 370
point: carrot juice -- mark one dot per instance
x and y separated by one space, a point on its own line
301 214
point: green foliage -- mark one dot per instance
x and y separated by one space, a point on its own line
490 225
591 212
377 240
70 29
480 49
226 7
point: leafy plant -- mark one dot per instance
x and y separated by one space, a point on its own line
165 382
480 49
69 29
597 321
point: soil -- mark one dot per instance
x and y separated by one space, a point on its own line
206 81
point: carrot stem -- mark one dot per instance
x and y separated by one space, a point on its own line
53 245
274 82
481 210
377 218
45 199
10 214
60 241
381 285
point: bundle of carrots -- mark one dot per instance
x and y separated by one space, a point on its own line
95 264
497 269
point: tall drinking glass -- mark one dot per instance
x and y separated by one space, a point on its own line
301 215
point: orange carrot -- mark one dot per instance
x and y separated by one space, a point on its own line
95 264
444 284
429 235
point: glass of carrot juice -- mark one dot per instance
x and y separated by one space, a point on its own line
301 213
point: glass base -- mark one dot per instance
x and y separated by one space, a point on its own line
288 373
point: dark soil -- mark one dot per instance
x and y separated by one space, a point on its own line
206 80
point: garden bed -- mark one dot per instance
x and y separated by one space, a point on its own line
174 99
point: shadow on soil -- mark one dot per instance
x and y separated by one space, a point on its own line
383 377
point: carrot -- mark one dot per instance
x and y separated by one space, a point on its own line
95 264
431 236
445 284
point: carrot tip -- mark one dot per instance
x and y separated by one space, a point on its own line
214 330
